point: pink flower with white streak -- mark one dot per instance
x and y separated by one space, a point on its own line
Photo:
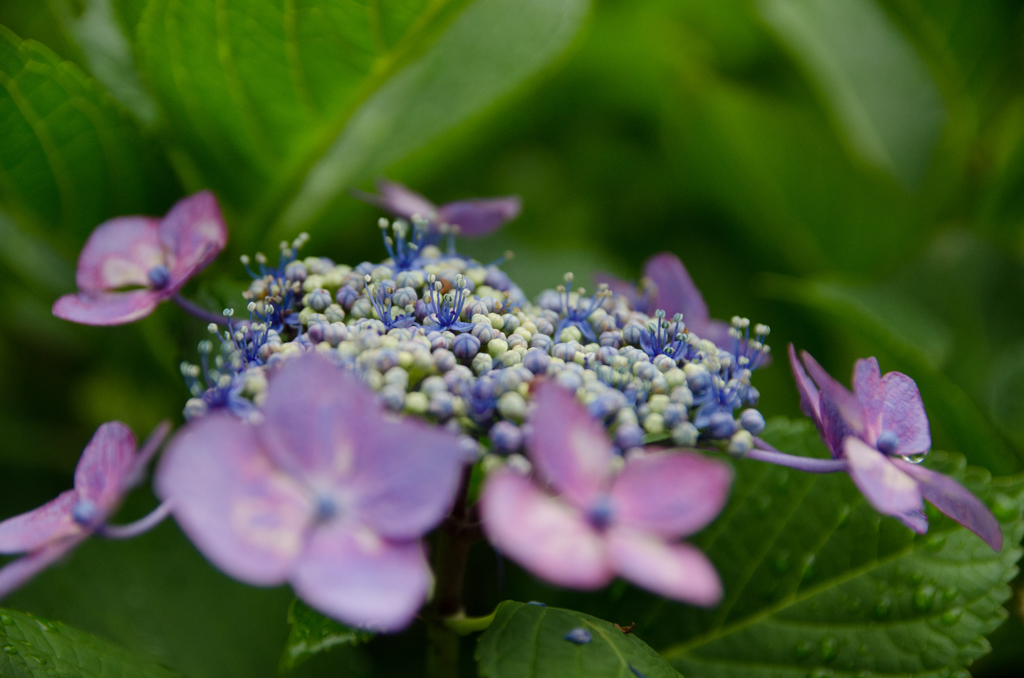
131 264
579 524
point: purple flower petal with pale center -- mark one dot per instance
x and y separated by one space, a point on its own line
546 536
156 255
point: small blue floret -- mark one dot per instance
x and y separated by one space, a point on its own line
579 636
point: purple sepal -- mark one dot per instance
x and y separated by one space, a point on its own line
474 218
956 501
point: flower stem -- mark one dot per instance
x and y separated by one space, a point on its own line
452 546
765 452
200 312
140 526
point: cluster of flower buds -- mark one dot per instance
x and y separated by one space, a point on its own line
447 338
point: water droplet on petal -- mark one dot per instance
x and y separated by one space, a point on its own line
914 458
923 598
952 615
10 649
803 650
829 647
883 607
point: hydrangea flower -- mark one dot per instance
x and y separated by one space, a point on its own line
326 493
881 432
131 264
581 523
474 218
666 285
108 468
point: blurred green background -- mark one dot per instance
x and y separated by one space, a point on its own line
849 172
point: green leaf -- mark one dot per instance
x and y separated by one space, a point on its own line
313 633
255 91
528 641
98 34
818 583
36 648
901 328
877 87
70 157
488 49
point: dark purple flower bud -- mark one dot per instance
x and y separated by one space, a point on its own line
335 333
536 360
393 397
442 405
721 425
506 437
295 272
465 346
483 332
386 359
675 414
159 276
633 333
315 331
752 420
443 359
887 443
346 296
404 296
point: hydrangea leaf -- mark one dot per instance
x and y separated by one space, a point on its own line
530 641
900 326
36 648
70 158
818 583
255 91
878 89
312 633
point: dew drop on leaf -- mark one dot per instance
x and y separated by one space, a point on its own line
37 660
782 563
883 607
843 514
923 598
949 594
5 620
10 649
803 650
952 615
829 647
935 542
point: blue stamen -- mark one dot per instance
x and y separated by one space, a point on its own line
159 276
445 309
576 316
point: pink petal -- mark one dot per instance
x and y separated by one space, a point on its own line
18 572
678 571
809 396
193 233
480 217
349 573
406 477
106 465
670 494
400 201
676 291
891 491
38 527
903 414
106 308
316 418
570 449
867 386
119 253
546 536
955 501
247 517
